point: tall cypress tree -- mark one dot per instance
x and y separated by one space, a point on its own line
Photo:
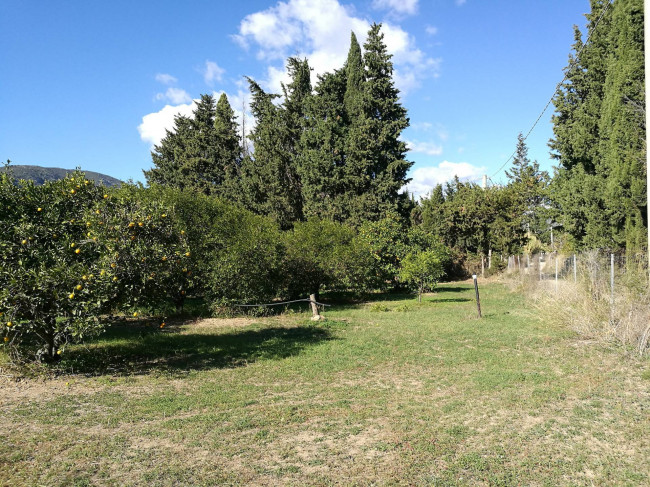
269 180
622 127
322 157
599 188
387 153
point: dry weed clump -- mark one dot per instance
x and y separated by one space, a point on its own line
587 305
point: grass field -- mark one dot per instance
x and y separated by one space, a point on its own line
384 393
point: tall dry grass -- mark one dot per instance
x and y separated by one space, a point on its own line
586 305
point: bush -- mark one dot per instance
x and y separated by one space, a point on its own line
236 255
422 270
318 253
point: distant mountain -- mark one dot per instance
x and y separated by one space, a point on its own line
40 174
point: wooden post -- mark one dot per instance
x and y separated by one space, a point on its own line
490 259
575 269
482 265
539 265
314 308
611 279
556 272
478 299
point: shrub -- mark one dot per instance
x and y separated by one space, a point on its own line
422 270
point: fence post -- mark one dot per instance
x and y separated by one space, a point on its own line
575 272
478 300
539 265
482 266
611 279
556 272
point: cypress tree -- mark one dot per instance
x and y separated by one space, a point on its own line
387 153
269 181
622 127
202 151
322 158
229 151
599 189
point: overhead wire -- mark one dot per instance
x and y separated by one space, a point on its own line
557 88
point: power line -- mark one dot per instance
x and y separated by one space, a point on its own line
557 88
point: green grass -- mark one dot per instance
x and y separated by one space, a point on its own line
392 392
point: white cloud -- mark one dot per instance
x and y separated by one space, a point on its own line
153 126
212 72
400 7
431 30
425 178
166 79
320 31
175 96
460 2
428 148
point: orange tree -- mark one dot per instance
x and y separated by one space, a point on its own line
71 251
50 289
144 254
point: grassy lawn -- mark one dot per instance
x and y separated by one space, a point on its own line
383 393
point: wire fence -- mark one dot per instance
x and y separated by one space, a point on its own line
601 293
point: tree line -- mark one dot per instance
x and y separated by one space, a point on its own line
330 151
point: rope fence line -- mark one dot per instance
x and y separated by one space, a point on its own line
280 303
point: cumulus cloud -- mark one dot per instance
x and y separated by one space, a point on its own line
425 178
212 72
175 96
400 7
431 30
320 31
154 125
428 148
166 79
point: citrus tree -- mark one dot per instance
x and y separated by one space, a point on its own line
143 249
421 270
72 251
51 289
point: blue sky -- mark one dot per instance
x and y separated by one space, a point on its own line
95 83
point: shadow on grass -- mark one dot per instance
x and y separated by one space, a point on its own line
449 300
126 350
451 289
